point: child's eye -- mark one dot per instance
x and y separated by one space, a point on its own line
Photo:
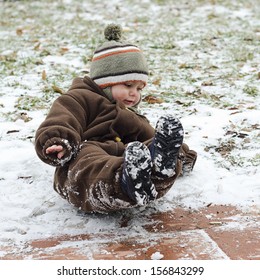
128 85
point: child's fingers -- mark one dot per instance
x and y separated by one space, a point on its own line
54 149
60 154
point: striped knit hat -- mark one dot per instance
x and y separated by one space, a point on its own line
116 62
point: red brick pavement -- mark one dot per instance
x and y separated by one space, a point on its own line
212 233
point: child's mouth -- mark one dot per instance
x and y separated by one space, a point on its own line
129 102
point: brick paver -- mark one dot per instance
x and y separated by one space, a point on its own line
211 233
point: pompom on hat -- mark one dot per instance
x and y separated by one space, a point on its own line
116 61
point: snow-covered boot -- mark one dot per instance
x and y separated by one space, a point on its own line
166 145
136 175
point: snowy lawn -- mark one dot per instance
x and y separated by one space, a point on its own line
204 64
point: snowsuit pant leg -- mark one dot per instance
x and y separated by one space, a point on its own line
92 180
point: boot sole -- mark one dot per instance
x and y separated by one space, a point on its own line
167 143
137 169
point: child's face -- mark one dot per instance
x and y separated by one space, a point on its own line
129 92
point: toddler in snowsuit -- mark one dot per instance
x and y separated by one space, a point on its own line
107 156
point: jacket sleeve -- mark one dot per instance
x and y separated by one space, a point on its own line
64 125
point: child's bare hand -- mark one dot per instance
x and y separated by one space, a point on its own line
56 149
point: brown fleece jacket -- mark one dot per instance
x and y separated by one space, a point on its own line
94 131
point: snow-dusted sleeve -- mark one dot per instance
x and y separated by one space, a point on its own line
64 125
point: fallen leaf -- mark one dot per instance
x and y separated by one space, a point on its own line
157 81
64 50
12 131
185 104
37 46
233 108
255 126
150 99
19 31
45 52
236 112
236 134
207 83
23 116
24 177
57 89
185 66
44 75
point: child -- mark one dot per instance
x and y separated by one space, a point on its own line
107 156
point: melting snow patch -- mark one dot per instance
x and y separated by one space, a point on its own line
157 256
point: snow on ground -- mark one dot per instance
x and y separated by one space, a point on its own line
204 59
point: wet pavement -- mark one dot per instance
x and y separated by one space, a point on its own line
215 232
